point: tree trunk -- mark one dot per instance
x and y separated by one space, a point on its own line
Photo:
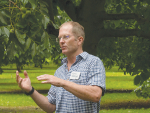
19 68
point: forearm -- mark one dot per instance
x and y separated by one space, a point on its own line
43 102
84 92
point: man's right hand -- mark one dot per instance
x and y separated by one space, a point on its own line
24 83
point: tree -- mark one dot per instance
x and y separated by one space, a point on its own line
23 30
116 30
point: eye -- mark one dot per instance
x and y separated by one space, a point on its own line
66 36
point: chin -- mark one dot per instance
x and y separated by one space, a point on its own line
64 52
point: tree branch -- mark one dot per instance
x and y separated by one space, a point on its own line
50 9
51 29
126 33
123 16
14 4
70 8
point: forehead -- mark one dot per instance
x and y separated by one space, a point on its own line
66 28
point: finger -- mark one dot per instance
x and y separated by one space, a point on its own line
39 76
19 83
44 82
43 77
17 76
26 74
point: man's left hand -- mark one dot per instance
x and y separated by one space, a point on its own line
51 80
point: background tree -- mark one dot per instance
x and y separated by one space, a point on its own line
116 30
23 30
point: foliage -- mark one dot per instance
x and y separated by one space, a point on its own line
116 30
144 89
132 52
23 32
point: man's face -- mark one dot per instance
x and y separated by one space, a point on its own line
68 45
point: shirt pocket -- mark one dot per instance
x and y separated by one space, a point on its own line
82 79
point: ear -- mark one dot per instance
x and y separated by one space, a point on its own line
80 40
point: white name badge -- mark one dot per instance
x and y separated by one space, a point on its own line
75 75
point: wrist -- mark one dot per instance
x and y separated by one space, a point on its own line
30 92
63 83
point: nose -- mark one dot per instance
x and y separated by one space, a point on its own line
61 40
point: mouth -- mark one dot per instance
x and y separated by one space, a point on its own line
63 47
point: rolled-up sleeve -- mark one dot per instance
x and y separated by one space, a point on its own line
97 75
52 95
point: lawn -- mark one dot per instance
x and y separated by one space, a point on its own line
115 79
110 103
126 111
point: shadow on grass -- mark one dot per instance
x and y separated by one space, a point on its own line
109 106
21 110
126 105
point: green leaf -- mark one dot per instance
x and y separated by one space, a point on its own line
0 32
4 39
24 1
138 5
6 13
117 23
145 75
148 1
137 79
53 41
35 30
45 21
45 39
117 1
27 44
20 36
131 6
33 48
138 93
33 19
2 18
21 24
118 8
33 3
43 9
11 51
5 31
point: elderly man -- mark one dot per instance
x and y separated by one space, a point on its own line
78 84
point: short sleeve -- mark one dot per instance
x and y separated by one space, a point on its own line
52 95
97 75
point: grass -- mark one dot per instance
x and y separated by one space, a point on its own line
12 100
126 111
16 103
121 97
115 80
120 82
38 110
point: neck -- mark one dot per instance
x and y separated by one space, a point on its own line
72 58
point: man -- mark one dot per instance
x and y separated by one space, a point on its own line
78 84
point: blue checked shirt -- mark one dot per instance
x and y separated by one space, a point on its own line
92 72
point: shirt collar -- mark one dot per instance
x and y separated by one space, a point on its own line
83 55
